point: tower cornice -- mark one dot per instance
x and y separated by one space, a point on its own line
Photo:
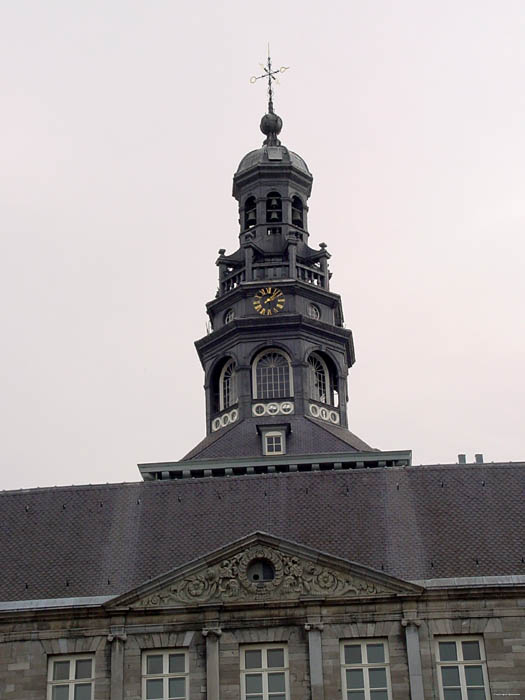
264 330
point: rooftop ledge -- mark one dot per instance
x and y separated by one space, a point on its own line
247 466
95 601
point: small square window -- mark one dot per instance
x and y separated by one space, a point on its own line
274 442
71 678
165 675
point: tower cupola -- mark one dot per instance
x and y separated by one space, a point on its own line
272 186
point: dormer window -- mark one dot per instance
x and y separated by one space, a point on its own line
250 212
273 443
273 438
274 208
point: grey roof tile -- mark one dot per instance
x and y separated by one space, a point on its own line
307 436
411 522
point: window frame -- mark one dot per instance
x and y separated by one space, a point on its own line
313 311
296 200
233 385
273 434
71 682
264 670
228 316
365 666
248 208
461 663
255 362
270 210
165 675
329 389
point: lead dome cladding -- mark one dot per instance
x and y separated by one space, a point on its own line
261 156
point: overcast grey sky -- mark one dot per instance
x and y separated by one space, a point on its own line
122 123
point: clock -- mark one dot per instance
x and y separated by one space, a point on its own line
268 301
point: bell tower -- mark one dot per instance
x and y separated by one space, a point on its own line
277 357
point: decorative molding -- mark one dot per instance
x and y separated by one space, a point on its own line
294 577
118 637
225 419
314 626
211 630
409 620
272 408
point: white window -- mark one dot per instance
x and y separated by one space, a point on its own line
322 380
228 386
274 443
462 671
264 672
319 379
272 375
71 678
165 675
229 316
365 668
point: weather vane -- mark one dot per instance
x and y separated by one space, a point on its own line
271 75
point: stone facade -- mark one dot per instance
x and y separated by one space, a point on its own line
310 603
29 639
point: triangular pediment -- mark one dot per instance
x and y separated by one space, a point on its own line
297 573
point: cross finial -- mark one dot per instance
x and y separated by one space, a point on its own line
271 75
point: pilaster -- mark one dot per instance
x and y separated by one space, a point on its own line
212 635
411 625
117 639
315 658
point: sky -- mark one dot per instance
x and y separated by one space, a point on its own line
121 125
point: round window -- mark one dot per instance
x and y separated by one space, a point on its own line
260 571
229 316
313 311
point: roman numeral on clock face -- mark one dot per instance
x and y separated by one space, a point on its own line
268 301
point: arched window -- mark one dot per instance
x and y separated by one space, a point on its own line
250 212
297 212
323 380
272 375
274 208
227 386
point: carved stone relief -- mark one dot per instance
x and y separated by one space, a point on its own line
293 578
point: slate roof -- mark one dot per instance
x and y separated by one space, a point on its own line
307 436
411 522
260 157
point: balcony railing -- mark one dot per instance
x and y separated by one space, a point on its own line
310 275
272 271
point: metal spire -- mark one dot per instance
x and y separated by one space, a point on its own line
271 76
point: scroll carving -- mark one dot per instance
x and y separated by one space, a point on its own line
228 581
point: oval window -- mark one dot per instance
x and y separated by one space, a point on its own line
260 571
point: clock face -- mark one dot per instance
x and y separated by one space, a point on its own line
268 301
